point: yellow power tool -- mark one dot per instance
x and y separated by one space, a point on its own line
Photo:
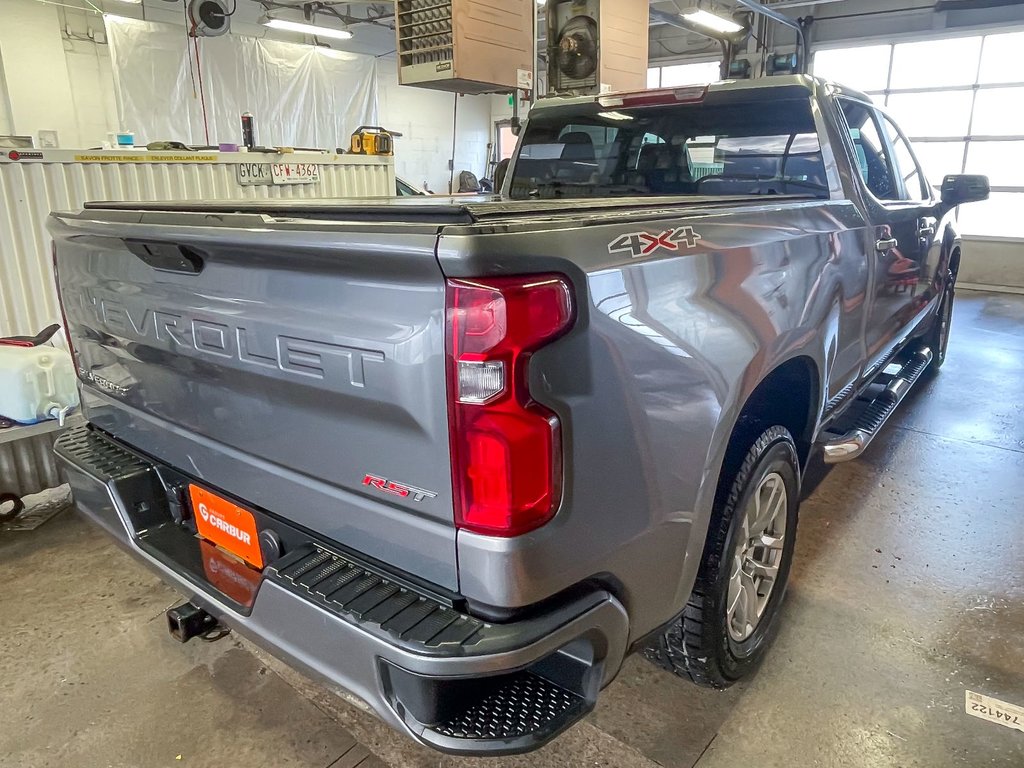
372 140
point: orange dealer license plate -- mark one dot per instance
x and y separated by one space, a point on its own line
226 524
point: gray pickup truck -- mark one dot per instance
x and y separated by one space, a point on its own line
459 457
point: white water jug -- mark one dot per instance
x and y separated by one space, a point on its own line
36 383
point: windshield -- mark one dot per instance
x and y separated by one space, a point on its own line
727 149
405 189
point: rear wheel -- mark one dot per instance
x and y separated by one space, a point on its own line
732 614
937 338
11 506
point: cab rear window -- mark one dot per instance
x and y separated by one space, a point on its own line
731 149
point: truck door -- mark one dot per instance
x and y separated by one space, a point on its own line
900 232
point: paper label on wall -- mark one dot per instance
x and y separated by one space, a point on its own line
524 79
994 710
154 158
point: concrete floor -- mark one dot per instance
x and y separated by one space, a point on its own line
908 588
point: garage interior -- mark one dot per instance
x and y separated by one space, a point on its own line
907 586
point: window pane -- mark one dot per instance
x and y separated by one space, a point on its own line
1001 161
865 68
936 62
939 159
690 74
872 159
1000 59
999 112
909 170
905 164
999 216
654 77
944 113
506 142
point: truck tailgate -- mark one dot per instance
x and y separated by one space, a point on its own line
284 362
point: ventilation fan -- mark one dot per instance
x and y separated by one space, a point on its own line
209 18
577 48
597 45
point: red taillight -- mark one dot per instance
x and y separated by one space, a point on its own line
506 448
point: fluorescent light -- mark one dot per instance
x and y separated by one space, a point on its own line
308 29
708 20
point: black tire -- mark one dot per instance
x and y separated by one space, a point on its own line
698 645
17 507
937 338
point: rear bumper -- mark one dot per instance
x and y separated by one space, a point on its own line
449 680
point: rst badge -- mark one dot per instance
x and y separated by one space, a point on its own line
638 244
397 489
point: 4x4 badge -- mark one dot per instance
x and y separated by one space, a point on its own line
638 244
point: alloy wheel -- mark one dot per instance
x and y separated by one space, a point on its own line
757 556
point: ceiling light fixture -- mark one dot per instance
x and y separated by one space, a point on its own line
307 29
701 18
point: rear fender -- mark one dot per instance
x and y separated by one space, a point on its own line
715 466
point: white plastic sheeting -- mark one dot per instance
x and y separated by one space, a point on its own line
300 95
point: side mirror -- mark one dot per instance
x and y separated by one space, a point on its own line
964 188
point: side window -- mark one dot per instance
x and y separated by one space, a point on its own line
599 140
638 152
575 155
575 142
871 155
404 189
906 165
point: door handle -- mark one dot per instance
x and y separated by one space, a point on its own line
886 245
169 257
926 229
